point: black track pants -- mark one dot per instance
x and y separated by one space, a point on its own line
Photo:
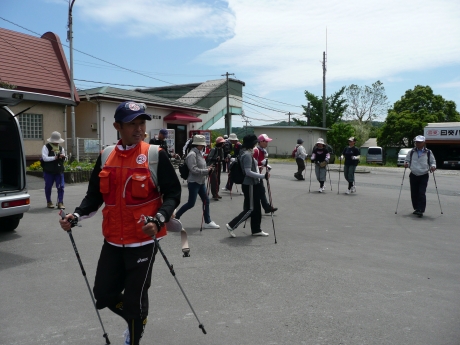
418 186
123 278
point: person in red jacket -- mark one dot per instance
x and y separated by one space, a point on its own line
126 188
261 154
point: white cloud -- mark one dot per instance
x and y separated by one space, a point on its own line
279 44
165 18
455 84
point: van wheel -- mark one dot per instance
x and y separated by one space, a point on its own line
9 223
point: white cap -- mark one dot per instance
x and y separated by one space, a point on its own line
420 138
320 141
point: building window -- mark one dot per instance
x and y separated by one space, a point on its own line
31 126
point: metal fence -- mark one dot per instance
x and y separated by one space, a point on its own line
86 149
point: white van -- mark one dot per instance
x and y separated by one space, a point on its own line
374 155
14 197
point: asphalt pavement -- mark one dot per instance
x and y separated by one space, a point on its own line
345 270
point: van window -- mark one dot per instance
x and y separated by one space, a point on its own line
374 151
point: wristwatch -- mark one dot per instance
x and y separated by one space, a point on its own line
161 219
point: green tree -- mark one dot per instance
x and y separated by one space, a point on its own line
338 136
408 116
335 108
366 103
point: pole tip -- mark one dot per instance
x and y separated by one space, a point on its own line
202 328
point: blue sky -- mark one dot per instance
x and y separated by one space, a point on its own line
275 47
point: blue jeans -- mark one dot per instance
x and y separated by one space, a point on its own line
51 179
193 190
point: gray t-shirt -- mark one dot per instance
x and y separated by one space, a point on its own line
249 165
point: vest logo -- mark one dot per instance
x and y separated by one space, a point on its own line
141 159
142 260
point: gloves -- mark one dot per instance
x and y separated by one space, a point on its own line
355 158
232 160
269 167
322 164
341 157
264 161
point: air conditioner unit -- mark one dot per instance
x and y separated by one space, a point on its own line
94 126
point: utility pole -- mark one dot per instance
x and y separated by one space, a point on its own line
308 115
72 86
289 122
228 116
324 89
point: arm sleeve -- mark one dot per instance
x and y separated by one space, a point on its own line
432 161
93 199
169 185
246 162
45 156
407 159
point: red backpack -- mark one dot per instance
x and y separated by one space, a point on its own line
294 152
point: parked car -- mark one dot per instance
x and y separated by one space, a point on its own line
14 197
374 155
452 161
402 156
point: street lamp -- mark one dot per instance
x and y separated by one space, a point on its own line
72 86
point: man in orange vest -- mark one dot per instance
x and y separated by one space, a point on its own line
126 188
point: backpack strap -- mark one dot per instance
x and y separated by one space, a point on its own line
153 164
105 154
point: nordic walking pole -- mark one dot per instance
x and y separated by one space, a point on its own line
202 215
270 199
340 168
434 178
311 169
105 335
329 171
147 220
400 190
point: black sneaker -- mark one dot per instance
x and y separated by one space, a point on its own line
272 210
418 213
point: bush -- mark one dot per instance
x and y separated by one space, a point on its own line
68 166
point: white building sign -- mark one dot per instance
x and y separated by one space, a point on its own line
442 133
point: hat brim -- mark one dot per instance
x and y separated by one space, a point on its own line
200 143
60 141
131 117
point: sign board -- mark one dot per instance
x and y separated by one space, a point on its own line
91 146
170 140
442 133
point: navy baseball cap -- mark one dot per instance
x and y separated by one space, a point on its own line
128 111
164 132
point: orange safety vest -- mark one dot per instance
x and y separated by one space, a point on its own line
128 192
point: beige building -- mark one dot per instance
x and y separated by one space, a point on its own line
285 138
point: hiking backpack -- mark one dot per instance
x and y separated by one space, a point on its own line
236 171
184 171
294 152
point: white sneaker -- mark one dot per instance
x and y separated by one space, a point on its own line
230 231
348 191
324 188
320 190
353 189
127 338
211 225
225 189
261 233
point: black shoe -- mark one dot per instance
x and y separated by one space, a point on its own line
418 213
272 210
415 212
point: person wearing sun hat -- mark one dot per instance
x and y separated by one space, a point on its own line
124 185
261 155
351 155
252 189
320 156
52 161
420 161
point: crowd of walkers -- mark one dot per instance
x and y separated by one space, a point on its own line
138 178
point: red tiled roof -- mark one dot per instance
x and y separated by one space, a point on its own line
34 64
